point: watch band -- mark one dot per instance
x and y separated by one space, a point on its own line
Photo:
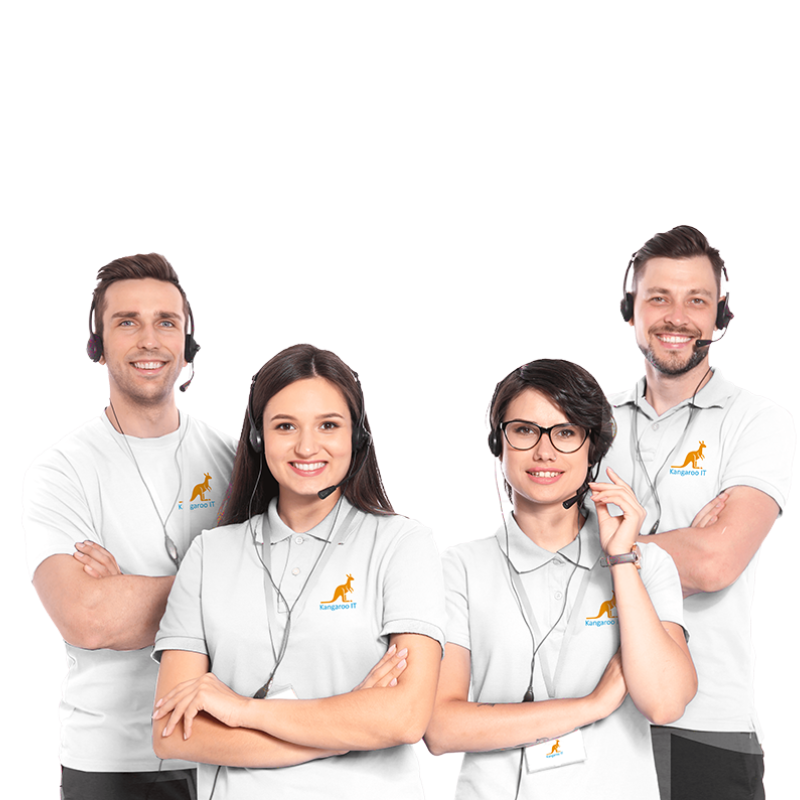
626 558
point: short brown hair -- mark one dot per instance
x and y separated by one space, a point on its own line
574 390
681 242
136 267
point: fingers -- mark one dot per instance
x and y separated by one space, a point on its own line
386 671
709 513
96 560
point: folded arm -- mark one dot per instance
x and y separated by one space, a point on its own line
711 557
374 718
658 669
212 741
117 612
458 725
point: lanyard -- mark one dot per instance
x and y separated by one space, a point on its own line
550 679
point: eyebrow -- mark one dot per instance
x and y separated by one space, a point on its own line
135 315
663 290
330 415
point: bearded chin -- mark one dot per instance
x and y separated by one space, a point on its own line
674 368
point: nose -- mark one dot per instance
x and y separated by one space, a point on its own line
543 450
306 443
675 315
148 337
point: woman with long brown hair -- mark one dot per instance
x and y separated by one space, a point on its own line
277 615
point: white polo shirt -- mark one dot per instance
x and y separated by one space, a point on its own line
88 487
384 578
734 438
484 617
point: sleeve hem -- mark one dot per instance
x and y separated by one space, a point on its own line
188 643
415 626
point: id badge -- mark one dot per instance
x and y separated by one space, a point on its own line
566 749
282 693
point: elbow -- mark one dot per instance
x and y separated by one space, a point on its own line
716 572
410 725
436 738
669 709
435 745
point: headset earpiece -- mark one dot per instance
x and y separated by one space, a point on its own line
724 313
496 443
94 347
256 439
626 304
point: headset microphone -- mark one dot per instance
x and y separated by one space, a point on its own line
329 491
350 474
706 342
571 502
184 386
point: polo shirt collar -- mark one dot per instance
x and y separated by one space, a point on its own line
279 531
525 555
715 394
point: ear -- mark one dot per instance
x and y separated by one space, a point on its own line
102 359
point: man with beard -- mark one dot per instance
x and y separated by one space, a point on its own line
711 463
109 512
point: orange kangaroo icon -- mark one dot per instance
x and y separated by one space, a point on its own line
341 592
694 457
201 489
556 748
606 607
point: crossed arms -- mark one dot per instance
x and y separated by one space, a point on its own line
199 718
119 612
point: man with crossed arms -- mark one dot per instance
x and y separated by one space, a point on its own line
109 512
711 463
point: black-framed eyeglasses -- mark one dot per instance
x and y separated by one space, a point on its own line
523 435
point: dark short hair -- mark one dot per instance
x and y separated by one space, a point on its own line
136 267
681 242
250 495
574 390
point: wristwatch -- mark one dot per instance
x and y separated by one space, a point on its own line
626 558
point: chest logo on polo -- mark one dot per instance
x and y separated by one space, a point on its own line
692 457
606 609
339 602
199 493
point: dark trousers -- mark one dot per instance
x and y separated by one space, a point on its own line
164 785
691 770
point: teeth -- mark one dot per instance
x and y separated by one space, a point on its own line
545 474
674 339
308 467
148 364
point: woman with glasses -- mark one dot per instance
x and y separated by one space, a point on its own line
564 637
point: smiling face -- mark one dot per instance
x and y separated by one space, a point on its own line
675 304
143 340
541 476
307 438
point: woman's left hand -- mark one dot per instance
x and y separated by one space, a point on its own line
617 534
206 693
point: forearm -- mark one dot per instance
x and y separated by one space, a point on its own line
372 719
658 671
693 551
461 726
124 612
710 557
212 742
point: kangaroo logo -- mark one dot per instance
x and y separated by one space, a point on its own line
694 457
341 592
607 607
201 489
556 748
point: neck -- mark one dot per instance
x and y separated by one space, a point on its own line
664 392
143 422
551 527
301 513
